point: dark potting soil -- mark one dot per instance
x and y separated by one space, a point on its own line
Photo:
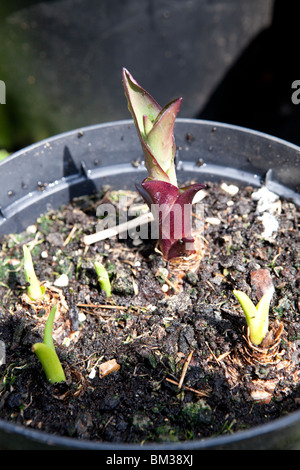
157 337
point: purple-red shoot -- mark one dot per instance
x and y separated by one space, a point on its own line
170 205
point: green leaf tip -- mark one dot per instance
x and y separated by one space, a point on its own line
103 278
257 317
155 127
46 353
34 289
48 339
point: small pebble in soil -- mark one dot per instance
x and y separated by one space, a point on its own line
62 281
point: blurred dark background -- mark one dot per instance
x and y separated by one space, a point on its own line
232 61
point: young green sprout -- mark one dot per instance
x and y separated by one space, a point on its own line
47 355
257 317
103 278
34 289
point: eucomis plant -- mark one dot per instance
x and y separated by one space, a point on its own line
170 205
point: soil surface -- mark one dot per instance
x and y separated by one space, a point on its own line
183 366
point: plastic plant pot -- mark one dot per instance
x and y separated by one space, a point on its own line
50 173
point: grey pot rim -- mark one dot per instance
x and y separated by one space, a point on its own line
122 122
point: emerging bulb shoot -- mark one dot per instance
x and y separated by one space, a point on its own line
257 317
